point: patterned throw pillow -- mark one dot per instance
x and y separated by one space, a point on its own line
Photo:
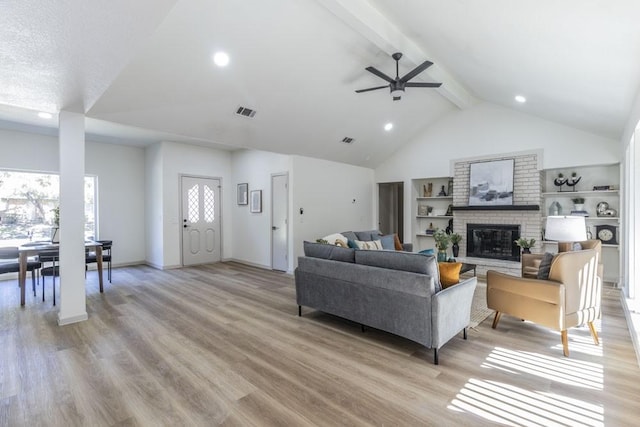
449 273
373 245
333 239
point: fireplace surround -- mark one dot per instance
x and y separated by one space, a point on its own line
493 241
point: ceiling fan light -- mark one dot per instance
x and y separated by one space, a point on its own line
397 94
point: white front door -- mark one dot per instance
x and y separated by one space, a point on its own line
279 222
200 220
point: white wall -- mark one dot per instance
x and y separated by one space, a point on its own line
121 189
487 129
186 159
326 190
120 171
252 231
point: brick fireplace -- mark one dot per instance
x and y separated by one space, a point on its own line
525 213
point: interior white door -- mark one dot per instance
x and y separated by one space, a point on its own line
279 222
200 220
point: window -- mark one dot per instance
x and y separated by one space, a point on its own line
27 203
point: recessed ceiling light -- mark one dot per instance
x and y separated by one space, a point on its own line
521 99
388 127
221 59
44 115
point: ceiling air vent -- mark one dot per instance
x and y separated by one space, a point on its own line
348 140
245 112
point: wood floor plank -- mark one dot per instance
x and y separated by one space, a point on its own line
222 344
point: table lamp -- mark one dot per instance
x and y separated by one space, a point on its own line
566 230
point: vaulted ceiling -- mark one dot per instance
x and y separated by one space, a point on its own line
142 70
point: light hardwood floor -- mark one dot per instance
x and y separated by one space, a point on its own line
223 345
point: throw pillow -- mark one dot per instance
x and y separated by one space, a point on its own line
545 266
397 243
577 246
427 252
449 273
352 244
369 246
388 242
334 238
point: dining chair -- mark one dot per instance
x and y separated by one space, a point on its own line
9 263
91 257
53 257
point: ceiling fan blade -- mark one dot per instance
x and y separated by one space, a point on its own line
420 68
422 84
379 74
372 88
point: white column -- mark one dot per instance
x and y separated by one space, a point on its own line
72 257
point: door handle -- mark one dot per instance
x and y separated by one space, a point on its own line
274 228
185 226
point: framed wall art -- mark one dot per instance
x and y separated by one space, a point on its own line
491 183
256 201
243 194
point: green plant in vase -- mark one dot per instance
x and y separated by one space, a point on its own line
455 244
55 230
525 244
442 240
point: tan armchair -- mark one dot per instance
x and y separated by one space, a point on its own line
571 296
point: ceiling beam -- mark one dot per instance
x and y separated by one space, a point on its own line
373 26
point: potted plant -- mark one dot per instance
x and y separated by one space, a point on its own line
442 240
525 244
55 230
578 203
455 247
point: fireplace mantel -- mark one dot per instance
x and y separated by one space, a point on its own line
498 208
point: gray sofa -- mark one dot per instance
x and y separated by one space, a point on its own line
397 292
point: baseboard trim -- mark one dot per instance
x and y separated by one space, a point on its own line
72 319
161 267
250 264
633 323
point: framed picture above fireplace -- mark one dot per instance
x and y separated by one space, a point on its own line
491 183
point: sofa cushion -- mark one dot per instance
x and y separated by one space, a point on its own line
449 273
368 235
372 245
404 261
545 266
332 252
388 242
350 235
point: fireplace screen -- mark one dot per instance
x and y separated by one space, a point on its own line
493 241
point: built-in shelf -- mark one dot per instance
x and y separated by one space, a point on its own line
435 216
498 208
435 198
424 235
575 193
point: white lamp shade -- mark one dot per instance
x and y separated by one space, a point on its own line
566 228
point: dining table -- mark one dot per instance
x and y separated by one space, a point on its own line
31 249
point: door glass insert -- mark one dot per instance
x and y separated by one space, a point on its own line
193 200
209 204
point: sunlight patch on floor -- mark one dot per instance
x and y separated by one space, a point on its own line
563 370
504 403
